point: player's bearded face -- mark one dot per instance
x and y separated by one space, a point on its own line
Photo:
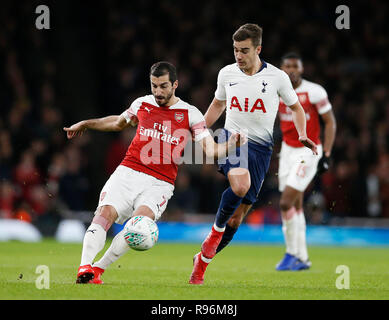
162 89
163 98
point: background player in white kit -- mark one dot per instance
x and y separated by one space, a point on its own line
297 167
249 91
143 184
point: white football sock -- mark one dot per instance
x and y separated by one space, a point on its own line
206 260
302 251
290 230
117 248
94 241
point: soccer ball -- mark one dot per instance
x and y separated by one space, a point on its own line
141 233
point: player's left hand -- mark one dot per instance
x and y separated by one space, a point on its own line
309 144
323 165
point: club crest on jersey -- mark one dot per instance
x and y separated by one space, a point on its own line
264 86
179 117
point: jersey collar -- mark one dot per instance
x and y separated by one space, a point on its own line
263 66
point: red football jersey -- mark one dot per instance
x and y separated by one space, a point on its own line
313 98
161 136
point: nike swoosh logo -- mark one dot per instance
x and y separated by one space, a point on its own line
232 84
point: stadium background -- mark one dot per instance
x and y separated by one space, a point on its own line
95 59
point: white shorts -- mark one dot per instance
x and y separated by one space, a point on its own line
127 189
297 166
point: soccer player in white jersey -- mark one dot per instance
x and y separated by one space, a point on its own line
297 167
249 91
144 181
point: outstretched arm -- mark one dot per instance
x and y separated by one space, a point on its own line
110 123
300 123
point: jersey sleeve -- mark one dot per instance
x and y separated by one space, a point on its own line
319 98
285 90
220 93
197 124
131 113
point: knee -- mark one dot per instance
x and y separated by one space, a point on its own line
239 180
285 204
241 189
105 216
144 211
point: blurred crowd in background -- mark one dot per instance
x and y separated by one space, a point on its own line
42 173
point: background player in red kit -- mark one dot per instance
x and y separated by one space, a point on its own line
297 168
144 182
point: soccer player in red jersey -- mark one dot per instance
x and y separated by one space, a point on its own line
144 181
297 168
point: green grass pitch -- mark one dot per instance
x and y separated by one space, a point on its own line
243 272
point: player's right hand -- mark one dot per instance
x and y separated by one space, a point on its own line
309 144
75 130
237 139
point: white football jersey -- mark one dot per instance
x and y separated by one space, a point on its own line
252 101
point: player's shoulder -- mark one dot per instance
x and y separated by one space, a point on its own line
274 71
312 88
281 77
194 114
148 98
181 104
311 84
272 68
137 102
229 69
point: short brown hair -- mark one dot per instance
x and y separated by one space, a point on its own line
249 31
162 68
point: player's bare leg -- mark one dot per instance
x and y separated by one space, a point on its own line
94 241
144 211
239 179
233 225
118 247
290 227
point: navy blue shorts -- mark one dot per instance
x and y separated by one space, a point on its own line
252 156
